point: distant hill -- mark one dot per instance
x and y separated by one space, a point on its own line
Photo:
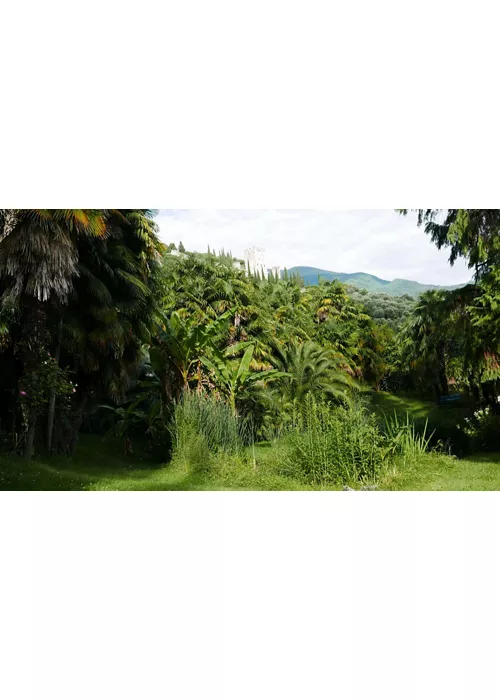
362 280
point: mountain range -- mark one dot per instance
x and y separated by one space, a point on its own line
362 280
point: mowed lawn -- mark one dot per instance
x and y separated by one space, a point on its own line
445 417
97 465
434 472
100 465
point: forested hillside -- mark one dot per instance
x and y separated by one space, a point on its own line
384 308
362 280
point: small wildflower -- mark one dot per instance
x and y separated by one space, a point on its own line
23 393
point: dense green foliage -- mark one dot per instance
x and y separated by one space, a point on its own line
383 308
453 336
188 356
81 285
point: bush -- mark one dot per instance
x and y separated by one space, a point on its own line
483 429
333 445
326 445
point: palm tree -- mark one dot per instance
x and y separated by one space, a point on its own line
311 369
474 341
38 250
287 307
332 301
86 282
114 306
425 336
204 285
38 265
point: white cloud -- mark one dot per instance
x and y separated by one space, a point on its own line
377 241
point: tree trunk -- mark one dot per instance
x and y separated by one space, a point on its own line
443 382
437 389
476 394
30 436
443 379
52 402
232 403
33 336
14 431
66 432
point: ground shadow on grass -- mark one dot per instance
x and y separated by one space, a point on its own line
384 402
442 422
99 464
17 474
95 460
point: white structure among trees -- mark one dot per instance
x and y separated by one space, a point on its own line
255 261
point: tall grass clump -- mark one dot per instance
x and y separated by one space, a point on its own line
403 440
332 444
203 426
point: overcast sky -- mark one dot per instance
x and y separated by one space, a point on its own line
377 241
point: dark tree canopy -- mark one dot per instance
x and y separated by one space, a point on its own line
473 234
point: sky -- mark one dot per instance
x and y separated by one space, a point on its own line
377 241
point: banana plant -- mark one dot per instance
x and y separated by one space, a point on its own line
234 376
179 346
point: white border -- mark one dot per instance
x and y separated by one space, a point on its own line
236 596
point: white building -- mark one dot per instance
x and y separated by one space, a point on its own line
255 260
276 271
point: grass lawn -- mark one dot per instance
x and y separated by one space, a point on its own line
442 421
97 465
419 409
434 472
100 465
384 402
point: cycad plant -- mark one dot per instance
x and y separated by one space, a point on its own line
309 368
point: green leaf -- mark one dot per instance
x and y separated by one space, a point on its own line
245 362
157 359
219 370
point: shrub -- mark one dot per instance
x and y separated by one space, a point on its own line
483 429
333 445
